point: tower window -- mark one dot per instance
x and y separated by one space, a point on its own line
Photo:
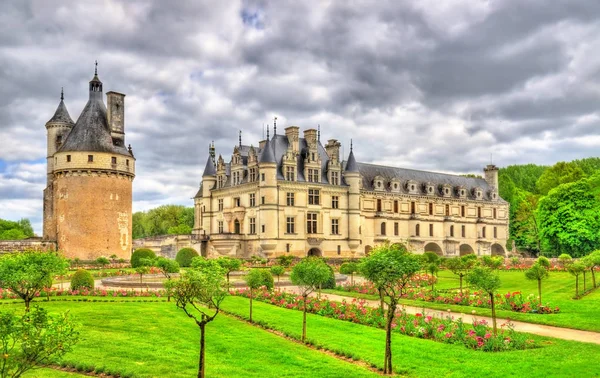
90 158
378 205
430 209
127 162
68 158
483 232
495 232
463 231
396 229
113 160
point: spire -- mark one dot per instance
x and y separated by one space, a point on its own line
96 69
267 155
267 133
61 115
95 85
62 93
274 127
351 165
240 137
209 168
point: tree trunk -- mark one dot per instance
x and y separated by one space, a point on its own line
201 362
387 365
576 287
493 313
381 304
250 305
540 290
27 300
593 277
584 281
304 319
461 283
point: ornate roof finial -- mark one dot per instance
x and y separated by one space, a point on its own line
267 132
274 126
62 93
350 145
96 69
319 132
240 137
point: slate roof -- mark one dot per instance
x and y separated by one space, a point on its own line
267 154
61 115
209 169
351 163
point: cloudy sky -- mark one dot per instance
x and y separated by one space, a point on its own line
419 84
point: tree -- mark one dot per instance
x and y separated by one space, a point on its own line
576 269
570 219
141 253
255 279
26 274
485 279
525 223
565 260
559 173
350 268
537 273
185 255
196 290
167 267
432 269
391 269
277 270
103 261
229 265
18 230
143 267
492 262
163 220
285 260
309 274
543 261
592 261
33 340
460 266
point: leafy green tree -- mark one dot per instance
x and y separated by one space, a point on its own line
486 280
565 260
26 274
523 176
143 267
163 220
461 266
103 261
543 261
199 293
492 262
350 268
537 273
82 279
309 274
570 219
255 279
525 223
166 266
576 269
33 340
141 253
285 260
277 270
592 261
390 269
560 173
432 269
10 230
229 264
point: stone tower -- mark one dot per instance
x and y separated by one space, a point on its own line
352 178
87 202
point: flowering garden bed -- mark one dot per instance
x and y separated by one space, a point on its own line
511 301
444 329
55 292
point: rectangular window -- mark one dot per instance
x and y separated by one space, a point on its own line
339 249
335 202
290 225
483 232
288 246
383 230
220 202
263 228
495 214
127 162
452 231
113 160
90 158
396 206
495 232
220 223
430 209
313 175
447 210
462 211
252 175
262 200
479 212
290 199
68 158
252 226
252 199
396 229
418 230
311 223
262 177
412 207
430 229
290 173
378 205
335 178
236 201
335 227
313 197
463 231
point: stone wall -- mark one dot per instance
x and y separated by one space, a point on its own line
33 244
167 245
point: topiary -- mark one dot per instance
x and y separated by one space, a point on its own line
185 255
142 253
82 279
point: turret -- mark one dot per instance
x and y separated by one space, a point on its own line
352 178
491 177
58 127
267 166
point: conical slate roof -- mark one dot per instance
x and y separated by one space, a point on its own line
267 155
61 115
351 165
209 169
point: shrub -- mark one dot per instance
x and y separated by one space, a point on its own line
543 261
82 279
142 253
185 256
330 284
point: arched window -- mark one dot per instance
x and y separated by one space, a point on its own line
417 230
236 226
452 231
383 228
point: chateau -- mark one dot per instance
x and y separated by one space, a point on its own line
292 195
87 200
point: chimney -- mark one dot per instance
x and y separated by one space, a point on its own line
115 116
333 149
310 136
491 176
292 133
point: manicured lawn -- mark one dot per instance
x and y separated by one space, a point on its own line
157 340
424 358
558 290
51 373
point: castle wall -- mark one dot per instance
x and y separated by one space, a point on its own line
93 214
9 246
167 245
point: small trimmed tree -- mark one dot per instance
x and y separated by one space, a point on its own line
141 253
229 264
565 260
143 267
350 268
461 266
537 273
33 340
82 279
102 261
167 267
390 269
255 279
432 269
194 292
543 261
309 274
485 279
185 255
27 273
592 261
277 270
576 269
285 260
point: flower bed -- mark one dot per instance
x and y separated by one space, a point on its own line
55 292
441 328
510 301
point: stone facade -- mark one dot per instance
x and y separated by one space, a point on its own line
88 198
32 244
294 196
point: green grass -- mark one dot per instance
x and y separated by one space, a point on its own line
50 373
558 290
158 340
424 358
